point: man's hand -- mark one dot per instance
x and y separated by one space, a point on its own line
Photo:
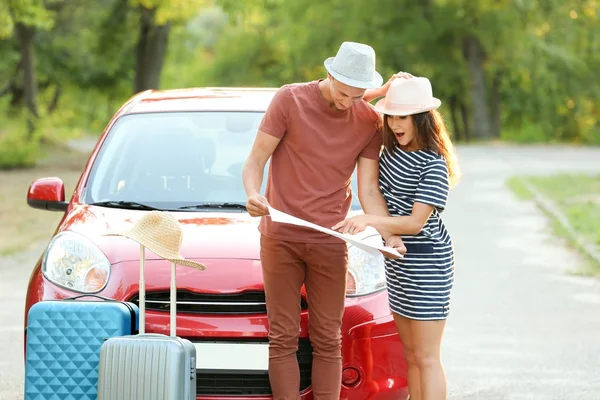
352 225
395 242
257 205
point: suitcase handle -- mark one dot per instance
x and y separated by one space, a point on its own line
132 312
142 295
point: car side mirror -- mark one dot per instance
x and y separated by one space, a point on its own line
47 194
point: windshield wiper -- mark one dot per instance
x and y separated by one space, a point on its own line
237 206
130 205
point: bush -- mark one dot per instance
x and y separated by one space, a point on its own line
528 133
18 152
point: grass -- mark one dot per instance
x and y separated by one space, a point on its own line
21 225
578 198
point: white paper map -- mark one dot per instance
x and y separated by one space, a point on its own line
371 248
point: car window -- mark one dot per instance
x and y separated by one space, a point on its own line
169 160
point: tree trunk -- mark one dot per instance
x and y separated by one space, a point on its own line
54 103
474 55
426 7
25 36
453 115
16 97
150 51
496 106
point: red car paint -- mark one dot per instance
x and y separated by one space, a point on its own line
227 243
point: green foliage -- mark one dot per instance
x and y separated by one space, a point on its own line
15 150
100 57
33 13
176 11
526 134
189 59
541 55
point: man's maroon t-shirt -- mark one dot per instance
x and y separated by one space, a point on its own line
311 168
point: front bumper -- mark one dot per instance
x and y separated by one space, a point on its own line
374 351
371 348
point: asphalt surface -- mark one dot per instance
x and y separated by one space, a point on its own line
522 325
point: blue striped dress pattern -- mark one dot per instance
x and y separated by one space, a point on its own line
419 285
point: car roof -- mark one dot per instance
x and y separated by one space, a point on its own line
201 99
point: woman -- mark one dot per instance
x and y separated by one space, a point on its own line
416 169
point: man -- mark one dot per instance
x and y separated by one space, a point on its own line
315 134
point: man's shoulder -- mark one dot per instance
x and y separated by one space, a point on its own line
297 88
290 95
366 114
366 111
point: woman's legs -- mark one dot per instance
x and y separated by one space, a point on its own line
414 380
422 341
427 342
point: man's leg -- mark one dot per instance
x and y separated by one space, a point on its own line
283 275
326 267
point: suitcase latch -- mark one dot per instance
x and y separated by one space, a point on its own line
192 368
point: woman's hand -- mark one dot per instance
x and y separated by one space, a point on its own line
353 225
395 242
400 75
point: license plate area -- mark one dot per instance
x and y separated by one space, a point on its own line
232 356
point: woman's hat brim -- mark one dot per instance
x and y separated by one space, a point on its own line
402 110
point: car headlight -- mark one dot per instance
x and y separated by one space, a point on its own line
75 263
366 272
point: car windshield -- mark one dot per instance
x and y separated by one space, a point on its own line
176 160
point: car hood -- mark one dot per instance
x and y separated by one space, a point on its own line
206 235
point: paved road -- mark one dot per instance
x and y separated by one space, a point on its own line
522 325
14 276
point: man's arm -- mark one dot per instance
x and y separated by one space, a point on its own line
369 195
252 173
270 132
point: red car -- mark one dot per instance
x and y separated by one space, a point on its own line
183 151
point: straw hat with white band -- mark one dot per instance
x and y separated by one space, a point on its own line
160 233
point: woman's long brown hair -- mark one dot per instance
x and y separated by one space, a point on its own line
431 134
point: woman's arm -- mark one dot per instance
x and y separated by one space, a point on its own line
403 225
399 225
432 191
372 94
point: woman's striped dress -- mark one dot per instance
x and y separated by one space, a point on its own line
419 285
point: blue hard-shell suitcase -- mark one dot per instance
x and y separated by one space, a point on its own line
63 345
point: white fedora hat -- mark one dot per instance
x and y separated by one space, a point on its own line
408 96
354 65
160 233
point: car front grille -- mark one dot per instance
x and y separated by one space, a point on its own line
250 302
252 383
